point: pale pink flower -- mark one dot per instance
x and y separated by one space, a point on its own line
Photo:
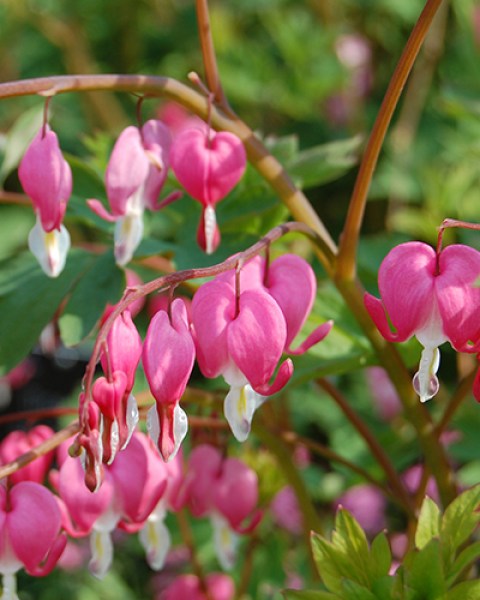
47 178
187 587
367 504
135 175
285 510
19 442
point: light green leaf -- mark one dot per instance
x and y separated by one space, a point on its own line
321 164
470 554
428 523
423 572
380 559
467 590
308 595
459 521
351 590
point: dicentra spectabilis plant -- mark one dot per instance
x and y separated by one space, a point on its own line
283 326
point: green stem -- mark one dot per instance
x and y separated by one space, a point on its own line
346 267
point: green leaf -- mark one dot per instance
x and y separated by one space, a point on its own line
428 523
423 572
102 283
459 522
29 300
467 590
351 590
470 554
308 595
380 559
321 164
331 563
20 135
350 537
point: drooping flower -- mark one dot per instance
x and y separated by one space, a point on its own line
208 165
241 338
131 488
433 297
46 178
19 442
225 490
168 358
135 175
29 533
113 392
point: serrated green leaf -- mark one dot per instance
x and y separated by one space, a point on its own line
20 135
467 590
100 284
28 301
423 572
428 523
332 564
351 590
324 163
470 554
308 595
350 538
458 523
380 559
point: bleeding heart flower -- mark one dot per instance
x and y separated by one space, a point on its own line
17 443
241 338
219 586
135 175
208 166
30 533
168 358
432 296
47 178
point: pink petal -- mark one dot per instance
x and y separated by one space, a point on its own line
127 169
204 467
124 348
47 178
33 522
290 273
213 309
97 207
256 337
169 353
17 443
458 295
314 338
208 168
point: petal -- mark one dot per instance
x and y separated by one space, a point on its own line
127 169
47 178
208 167
124 348
208 233
127 237
314 338
33 522
425 381
97 207
50 249
256 337
458 295
155 538
9 587
169 353
101 548
225 541
213 309
167 426
239 407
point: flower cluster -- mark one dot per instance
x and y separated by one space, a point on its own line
138 491
206 163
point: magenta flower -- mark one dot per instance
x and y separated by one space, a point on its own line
241 339
17 443
132 487
168 358
209 166
30 533
47 178
226 490
112 393
219 585
433 297
135 175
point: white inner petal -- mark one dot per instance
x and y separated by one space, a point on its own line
239 407
129 229
225 542
132 418
180 428
9 591
425 381
155 538
102 553
50 249
210 220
